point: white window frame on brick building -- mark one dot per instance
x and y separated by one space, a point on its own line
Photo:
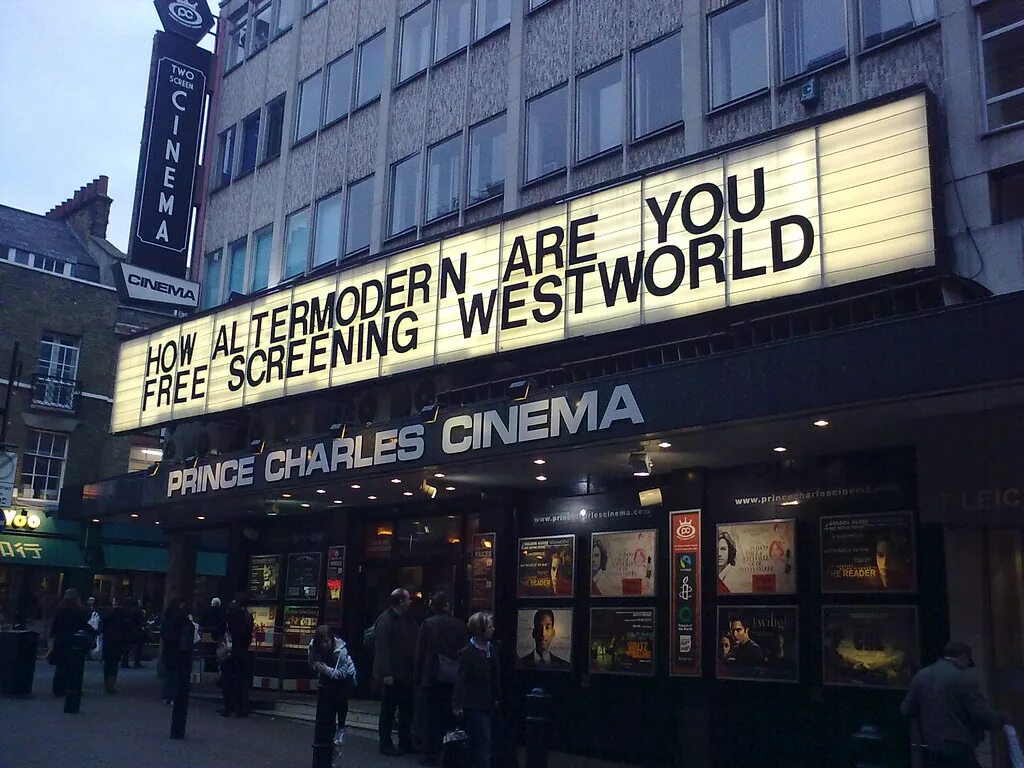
36 261
45 458
1004 29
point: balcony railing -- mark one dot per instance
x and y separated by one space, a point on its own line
56 393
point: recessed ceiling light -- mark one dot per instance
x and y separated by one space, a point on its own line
320 490
641 474
157 523
395 480
664 444
372 498
539 461
439 474
541 478
338 501
407 493
450 488
95 519
356 486
821 423
286 495
134 514
271 514
304 505
779 449
200 517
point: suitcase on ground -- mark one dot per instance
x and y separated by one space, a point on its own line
455 751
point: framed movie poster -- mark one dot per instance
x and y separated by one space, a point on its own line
264 577
544 639
264 619
756 558
335 584
758 643
622 641
303 576
481 586
869 646
622 563
300 622
868 553
546 566
684 580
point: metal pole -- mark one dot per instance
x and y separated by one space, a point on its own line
75 672
538 718
13 373
323 732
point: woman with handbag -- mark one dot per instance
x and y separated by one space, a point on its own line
478 688
440 639
336 677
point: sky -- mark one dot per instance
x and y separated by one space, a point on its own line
74 76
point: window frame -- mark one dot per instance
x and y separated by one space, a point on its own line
527 180
266 156
36 454
239 19
256 8
389 229
577 159
476 35
326 119
470 200
59 344
309 211
785 79
257 236
206 302
458 138
357 102
431 12
440 59
315 228
635 137
241 170
225 179
296 138
1012 94
346 253
866 47
308 6
278 29
766 88
242 241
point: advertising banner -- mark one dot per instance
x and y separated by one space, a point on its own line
546 566
303 576
300 621
264 577
757 557
544 639
868 553
622 563
758 643
622 641
873 646
481 588
335 583
264 617
684 580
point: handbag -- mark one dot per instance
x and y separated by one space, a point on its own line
447 669
224 649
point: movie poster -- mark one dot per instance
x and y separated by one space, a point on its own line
622 641
869 646
264 619
684 578
622 563
546 566
481 586
303 576
758 643
544 639
264 576
868 553
300 622
757 557
335 583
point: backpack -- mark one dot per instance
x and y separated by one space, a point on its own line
370 633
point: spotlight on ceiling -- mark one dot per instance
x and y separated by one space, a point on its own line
428 489
286 495
339 430
640 463
407 493
821 423
664 444
519 390
779 449
395 480
338 501
541 478
651 497
539 462
439 474
258 445
428 413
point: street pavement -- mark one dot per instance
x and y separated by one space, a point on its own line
131 729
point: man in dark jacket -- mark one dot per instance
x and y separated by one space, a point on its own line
441 638
236 673
70 618
394 651
952 710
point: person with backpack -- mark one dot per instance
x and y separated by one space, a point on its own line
441 637
336 678
394 646
477 694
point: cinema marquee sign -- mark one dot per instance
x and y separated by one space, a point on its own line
843 201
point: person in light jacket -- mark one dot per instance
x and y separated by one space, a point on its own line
477 694
336 676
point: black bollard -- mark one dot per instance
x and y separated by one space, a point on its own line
538 720
80 643
323 732
183 672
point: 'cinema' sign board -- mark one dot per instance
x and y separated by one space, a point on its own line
834 203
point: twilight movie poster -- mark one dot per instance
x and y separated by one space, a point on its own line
758 643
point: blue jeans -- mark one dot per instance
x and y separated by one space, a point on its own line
480 726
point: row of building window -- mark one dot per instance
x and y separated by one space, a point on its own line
37 261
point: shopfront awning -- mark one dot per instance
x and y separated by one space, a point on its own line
40 551
128 557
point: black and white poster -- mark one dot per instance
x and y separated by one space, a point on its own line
758 643
303 576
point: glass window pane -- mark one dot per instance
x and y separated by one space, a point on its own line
339 88
813 34
371 70
311 93
327 239
275 128
1003 60
414 52
1007 194
404 184
239 26
883 20
296 243
658 85
1006 111
599 111
487 159
261 27
443 178
211 280
453 18
491 15
261 259
998 14
545 133
739 52
285 14
227 155
250 142
236 267
358 212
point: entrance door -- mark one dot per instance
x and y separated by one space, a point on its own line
1007 589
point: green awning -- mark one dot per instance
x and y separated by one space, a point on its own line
36 550
129 557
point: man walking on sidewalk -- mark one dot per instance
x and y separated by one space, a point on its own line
394 652
441 638
953 712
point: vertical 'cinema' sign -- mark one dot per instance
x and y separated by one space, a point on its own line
684 643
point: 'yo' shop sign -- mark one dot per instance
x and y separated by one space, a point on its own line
820 206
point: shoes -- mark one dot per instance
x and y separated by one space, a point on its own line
339 737
390 750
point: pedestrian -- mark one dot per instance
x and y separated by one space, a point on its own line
441 638
394 654
70 617
236 669
477 694
113 628
171 626
953 712
214 620
336 678
132 622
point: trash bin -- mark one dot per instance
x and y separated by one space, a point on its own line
17 662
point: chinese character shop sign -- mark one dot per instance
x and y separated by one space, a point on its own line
826 205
